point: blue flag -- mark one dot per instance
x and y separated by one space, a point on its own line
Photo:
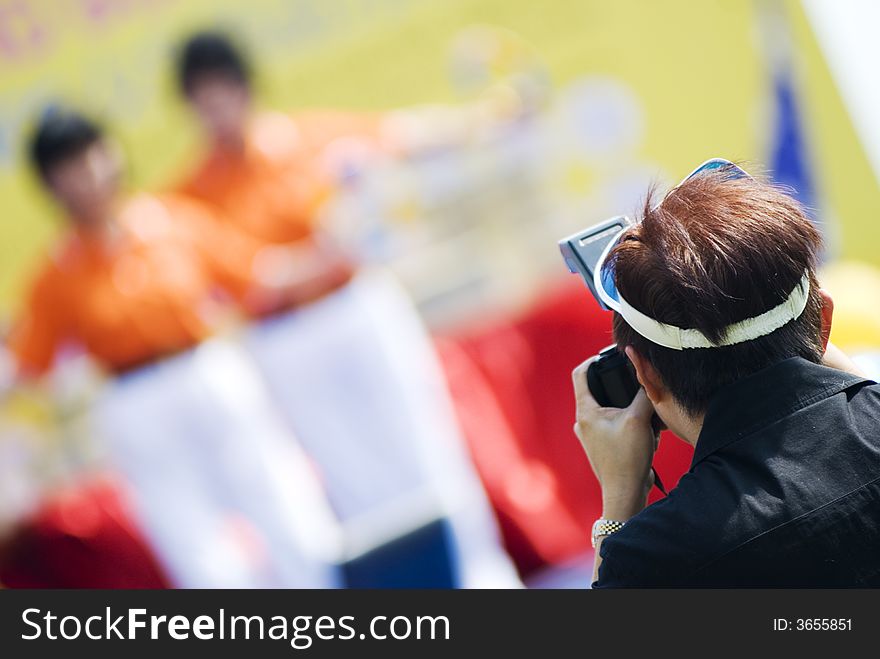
790 157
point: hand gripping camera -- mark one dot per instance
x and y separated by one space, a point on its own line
612 377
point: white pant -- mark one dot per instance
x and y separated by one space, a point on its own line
356 377
221 489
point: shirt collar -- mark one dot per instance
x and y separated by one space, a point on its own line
765 397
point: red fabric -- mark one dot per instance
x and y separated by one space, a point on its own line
511 383
81 537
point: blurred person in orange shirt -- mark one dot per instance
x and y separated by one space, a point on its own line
133 279
262 171
353 371
136 283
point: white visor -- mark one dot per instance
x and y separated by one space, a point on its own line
749 329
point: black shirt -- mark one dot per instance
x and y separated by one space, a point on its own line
783 490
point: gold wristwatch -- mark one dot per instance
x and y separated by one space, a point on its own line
602 527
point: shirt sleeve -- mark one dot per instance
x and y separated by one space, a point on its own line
651 550
623 565
41 327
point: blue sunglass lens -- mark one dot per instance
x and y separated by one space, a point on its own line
733 171
608 285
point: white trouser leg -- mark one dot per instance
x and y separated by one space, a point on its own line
357 378
221 489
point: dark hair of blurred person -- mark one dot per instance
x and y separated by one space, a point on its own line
212 53
61 134
214 76
77 164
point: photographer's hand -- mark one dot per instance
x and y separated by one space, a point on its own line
620 445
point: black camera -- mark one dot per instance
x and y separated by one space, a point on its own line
612 378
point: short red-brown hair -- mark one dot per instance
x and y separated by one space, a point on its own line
716 251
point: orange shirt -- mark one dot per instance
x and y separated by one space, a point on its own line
145 293
273 189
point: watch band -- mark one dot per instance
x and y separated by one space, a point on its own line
603 527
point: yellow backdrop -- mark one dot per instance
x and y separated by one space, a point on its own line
698 69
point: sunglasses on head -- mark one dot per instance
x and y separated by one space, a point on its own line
587 252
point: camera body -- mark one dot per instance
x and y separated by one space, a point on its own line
612 378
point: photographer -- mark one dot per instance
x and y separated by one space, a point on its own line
720 312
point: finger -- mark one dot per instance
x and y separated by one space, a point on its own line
582 393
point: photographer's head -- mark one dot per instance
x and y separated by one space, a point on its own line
714 252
